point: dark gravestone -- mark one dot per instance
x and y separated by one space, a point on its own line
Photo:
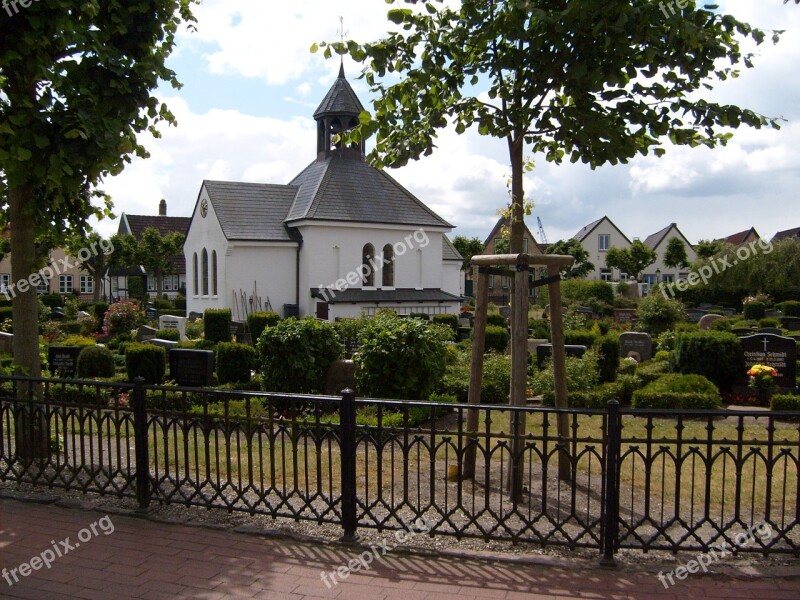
162 343
707 320
464 333
194 368
6 343
774 351
545 351
341 376
791 323
640 343
195 315
63 360
150 313
772 313
624 315
742 331
586 311
237 327
58 314
145 333
772 330
694 316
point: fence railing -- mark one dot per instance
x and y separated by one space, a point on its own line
670 480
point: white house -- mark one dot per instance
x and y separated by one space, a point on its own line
658 242
341 239
596 238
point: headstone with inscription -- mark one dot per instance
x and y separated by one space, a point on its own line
63 360
694 316
634 341
6 343
173 322
545 351
772 330
624 315
163 343
707 320
742 331
774 351
193 368
791 323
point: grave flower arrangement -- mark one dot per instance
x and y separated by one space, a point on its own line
762 380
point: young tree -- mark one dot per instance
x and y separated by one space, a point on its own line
708 248
631 260
675 254
152 251
76 84
467 248
93 254
572 247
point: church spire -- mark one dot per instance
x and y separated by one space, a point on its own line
338 112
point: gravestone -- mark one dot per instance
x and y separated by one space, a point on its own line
145 333
195 315
341 376
534 343
237 327
545 351
505 312
63 360
706 321
742 331
791 323
772 313
624 315
694 316
775 351
772 330
464 333
193 368
6 343
163 343
150 313
83 315
728 312
633 341
464 322
586 311
57 314
173 322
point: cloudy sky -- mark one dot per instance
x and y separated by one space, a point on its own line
251 86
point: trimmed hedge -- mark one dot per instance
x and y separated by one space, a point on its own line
675 391
584 290
258 321
96 361
785 402
755 310
790 308
496 320
172 335
608 345
419 315
539 329
145 360
716 355
235 362
580 337
496 339
217 324
450 321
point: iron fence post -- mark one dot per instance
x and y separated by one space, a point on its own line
140 436
347 419
610 524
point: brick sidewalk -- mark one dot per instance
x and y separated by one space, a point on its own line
144 559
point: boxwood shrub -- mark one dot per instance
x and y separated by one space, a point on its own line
539 329
258 321
608 345
496 339
145 360
495 383
96 361
235 362
496 320
785 402
790 308
580 337
217 324
755 310
676 391
169 334
717 355
450 321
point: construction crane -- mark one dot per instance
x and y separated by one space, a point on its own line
542 236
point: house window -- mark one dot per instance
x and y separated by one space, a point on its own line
44 285
368 272
205 272
388 266
491 281
603 241
682 276
87 284
151 283
650 279
668 278
505 281
171 283
605 274
5 281
115 284
195 280
65 284
214 272
525 245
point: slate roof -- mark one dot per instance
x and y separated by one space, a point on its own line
449 251
787 234
652 241
587 230
737 239
385 296
252 211
341 189
340 99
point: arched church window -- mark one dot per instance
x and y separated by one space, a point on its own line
388 266
367 267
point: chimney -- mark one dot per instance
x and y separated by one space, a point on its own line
162 208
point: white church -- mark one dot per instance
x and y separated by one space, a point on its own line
342 239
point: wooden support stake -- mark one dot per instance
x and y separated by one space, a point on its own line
476 371
560 374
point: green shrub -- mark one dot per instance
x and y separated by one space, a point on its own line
122 317
194 329
201 344
580 337
100 309
295 354
769 322
396 418
450 321
400 358
71 327
169 334
649 372
260 320
96 361
790 308
234 362
78 340
145 360
418 315
6 312
497 320
584 291
716 355
539 329
608 345
785 402
627 385
657 314
676 391
755 310
620 390
627 367
496 339
180 302
582 376
51 300
495 383
217 324
661 356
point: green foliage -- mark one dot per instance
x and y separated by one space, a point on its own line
467 248
397 418
789 308
785 402
649 372
71 327
259 320
96 361
152 250
675 391
599 397
708 248
147 361
78 340
582 376
580 337
217 324
657 314
235 362
769 322
497 320
675 254
583 290
661 356
169 334
6 312
51 300
755 310
495 384
136 289
420 316
716 355
122 317
631 260
295 354
400 358
194 329
496 339
572 247
608 346
450 321
539 329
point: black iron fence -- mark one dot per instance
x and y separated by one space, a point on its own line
688 480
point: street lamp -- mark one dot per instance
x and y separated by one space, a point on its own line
658 275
